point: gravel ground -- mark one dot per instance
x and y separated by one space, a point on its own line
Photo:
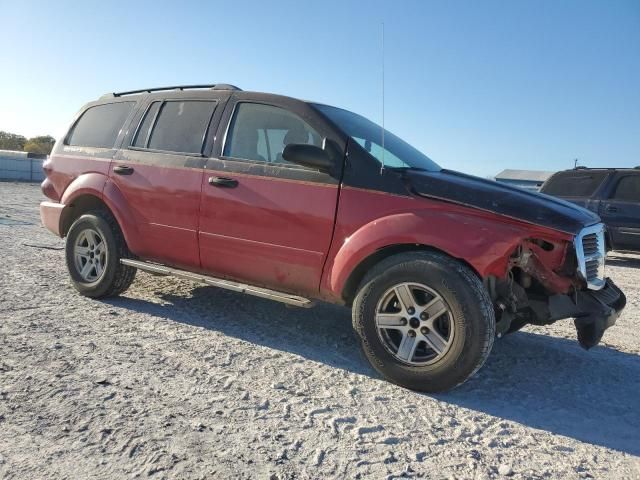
176 380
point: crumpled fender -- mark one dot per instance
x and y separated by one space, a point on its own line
483 242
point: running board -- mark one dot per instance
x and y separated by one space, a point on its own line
218 282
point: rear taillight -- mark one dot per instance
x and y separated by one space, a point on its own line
48 190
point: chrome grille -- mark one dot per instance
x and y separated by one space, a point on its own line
590 244
590 251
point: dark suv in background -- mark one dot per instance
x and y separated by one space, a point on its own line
612 193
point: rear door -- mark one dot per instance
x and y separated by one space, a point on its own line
263 220
620 211
159 171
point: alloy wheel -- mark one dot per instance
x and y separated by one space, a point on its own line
90 255
414 323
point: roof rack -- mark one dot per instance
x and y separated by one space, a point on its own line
582 167
213 86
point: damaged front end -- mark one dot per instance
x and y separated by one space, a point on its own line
550 280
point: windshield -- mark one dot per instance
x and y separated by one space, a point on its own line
397 152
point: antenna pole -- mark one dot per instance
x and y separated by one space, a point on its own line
382 163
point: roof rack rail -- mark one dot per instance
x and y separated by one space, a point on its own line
213 86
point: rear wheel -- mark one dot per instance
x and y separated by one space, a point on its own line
425 321
94 248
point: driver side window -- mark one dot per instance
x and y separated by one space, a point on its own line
260 132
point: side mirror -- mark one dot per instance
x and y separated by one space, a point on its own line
308 156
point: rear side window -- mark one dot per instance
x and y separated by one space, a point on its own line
628 189
574 183
175 126
260 132
99 126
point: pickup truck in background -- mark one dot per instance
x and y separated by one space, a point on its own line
612 193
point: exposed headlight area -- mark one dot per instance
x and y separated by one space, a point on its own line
590 252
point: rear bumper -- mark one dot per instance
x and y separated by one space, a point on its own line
50 214
593 310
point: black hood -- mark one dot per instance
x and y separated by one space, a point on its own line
502 199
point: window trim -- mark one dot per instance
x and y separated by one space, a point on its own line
65 141
163 102
259 162
142 119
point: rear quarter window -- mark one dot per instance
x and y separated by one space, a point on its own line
99 126
573 184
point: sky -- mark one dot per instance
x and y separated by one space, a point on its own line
477 86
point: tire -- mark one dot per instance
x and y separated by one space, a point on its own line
451 345
96 237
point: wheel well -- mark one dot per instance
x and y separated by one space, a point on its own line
79 206
353 282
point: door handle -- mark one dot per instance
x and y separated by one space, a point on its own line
611 209
123 170
223 182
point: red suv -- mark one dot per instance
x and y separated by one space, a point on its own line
293 200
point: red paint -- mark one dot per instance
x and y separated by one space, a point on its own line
50 213
163 203
68 168
49 190
267 231
368 221
69 177
543 264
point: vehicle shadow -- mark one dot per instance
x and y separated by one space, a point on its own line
550 383
544 382
625 262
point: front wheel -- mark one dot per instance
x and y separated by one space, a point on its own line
425 321
94 248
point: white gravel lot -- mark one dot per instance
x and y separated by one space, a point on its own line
177 380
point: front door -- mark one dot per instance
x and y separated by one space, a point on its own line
265 221
159 171
621 212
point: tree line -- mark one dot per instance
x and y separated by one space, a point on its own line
41 144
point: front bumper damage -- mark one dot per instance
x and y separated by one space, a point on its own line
593 311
